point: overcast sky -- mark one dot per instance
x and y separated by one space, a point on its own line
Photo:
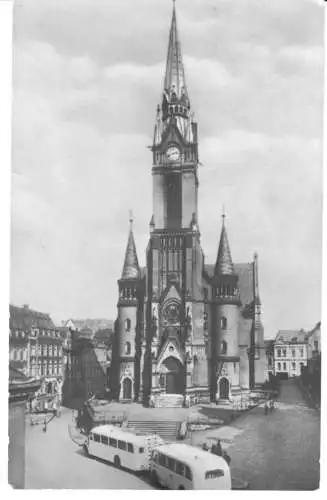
88 75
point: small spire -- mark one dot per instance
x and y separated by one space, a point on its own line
131 267
224 263
223 215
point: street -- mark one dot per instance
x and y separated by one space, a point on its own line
53 461
279 451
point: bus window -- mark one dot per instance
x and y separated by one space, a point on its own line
141 450
213 474
162 460
180 469
171 464
113 442
130 448
96 438
188 473
122 445
105 440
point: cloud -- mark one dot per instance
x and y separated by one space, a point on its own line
87 81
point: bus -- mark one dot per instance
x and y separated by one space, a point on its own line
178 466
124 449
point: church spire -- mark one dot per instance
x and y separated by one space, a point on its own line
131 267
224 263
175 84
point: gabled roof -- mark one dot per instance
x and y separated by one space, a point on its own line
291 337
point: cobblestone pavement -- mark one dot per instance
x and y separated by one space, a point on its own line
279 451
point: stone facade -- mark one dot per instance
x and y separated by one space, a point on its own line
184 326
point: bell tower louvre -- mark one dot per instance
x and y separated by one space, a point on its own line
184 329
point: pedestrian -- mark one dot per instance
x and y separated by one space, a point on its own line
266 408
271 405
219 450
205 447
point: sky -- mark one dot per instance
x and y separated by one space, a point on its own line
88 75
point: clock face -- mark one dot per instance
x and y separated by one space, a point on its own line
173 153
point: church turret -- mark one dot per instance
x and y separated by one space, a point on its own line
127 325
225 313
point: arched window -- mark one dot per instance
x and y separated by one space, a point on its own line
279 353
278 366
223 323
127 348
293 353
127 325
224 347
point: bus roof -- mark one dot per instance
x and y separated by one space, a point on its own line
119 433
191 455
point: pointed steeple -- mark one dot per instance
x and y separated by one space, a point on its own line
131 267
175 76
224 263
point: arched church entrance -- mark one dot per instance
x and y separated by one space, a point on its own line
127 388
173 376
223 388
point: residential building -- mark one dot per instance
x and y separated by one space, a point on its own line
184 326
290 353
269 371
314 349
36 347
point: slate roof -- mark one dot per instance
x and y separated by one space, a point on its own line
224 264
291 337
131 267
24 318
244 271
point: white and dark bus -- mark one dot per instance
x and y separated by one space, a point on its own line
124 449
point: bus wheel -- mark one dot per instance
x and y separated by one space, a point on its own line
85 449
117 461
154 478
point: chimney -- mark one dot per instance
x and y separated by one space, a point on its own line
25 306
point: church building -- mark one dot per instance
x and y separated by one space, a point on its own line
184 327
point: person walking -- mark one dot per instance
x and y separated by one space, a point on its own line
266 408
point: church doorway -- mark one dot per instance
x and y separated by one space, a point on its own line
174 376
223 388
127 388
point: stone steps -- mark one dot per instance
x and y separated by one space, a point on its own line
168 401
166 429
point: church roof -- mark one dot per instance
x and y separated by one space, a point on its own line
244 271
131 267
175 75
224 263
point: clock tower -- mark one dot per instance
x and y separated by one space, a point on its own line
174 255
